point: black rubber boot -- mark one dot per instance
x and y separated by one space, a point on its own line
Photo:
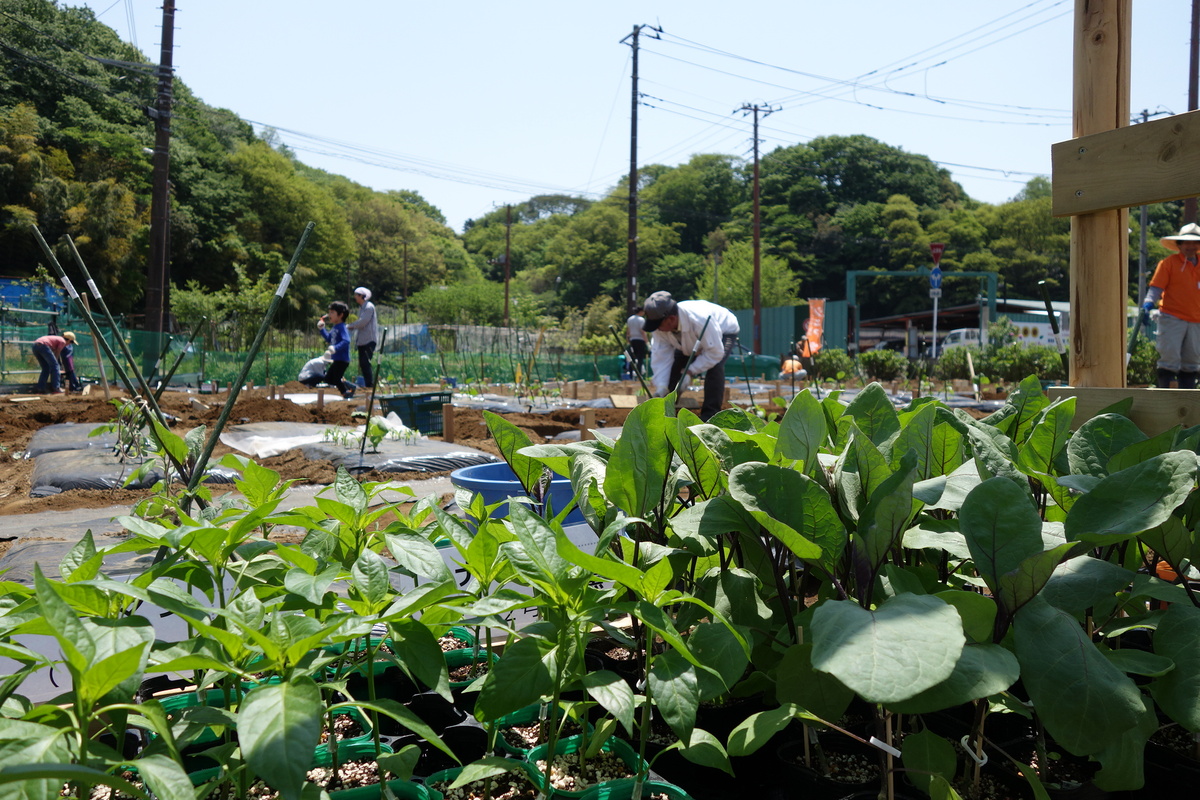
1165 376
1187 380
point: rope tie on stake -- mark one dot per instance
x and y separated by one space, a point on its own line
966 745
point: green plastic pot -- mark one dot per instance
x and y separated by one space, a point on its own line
348 750
449 775
458 658
462 634
523 716
623 790
573 744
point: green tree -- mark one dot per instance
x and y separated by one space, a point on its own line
779 287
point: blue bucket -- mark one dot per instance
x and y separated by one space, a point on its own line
497 482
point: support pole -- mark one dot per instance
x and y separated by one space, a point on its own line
1099 268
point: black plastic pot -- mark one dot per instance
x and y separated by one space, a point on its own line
820 786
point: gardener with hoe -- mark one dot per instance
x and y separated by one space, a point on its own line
47 350
366 333
1175 289
681 329
333 327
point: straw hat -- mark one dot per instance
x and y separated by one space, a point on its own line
70 337
1188 233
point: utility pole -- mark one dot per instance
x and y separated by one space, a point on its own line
1189 205
631 263
158 269
757 291
507 258
405 282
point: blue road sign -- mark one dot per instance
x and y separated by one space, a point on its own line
935 278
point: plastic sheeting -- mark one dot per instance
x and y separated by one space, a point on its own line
85 469
69 436
265 439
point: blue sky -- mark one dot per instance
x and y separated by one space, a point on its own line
476 104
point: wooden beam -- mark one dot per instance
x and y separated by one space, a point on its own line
1153 411
1149 163
1099 262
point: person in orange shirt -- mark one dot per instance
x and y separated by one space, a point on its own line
1175 289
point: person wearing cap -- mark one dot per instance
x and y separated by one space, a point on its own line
635 334
1175 289
47 350
366 333
313 371
681 329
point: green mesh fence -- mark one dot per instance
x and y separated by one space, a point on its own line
189 363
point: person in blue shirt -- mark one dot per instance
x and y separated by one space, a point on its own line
333 327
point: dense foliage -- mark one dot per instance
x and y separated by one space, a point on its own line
74 159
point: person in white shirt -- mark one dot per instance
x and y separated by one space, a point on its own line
681 328
636 335
366 333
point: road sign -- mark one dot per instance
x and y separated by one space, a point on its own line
935 278
936 249
935 293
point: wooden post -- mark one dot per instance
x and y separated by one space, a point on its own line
1099 259
574 390
448 431
320 398
587 421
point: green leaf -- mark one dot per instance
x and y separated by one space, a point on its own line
798 683
802 431
370 575
278 727
68 630
1178 692
916 434
311 587
29 754
613 694
1080 583
925 755
1049 435
349 491
165 777
978 612
418 555
874 414
80 562
704 749
757 729
1018 587
715 646
1138 452
673 686
699 460
1139 662
517 680
171 443
636 474
771 495
1122 763
1084 701
887 514
907 645
1001 526
995 454
983 670
1134 499
419 652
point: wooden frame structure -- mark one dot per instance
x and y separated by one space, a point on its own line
1107 167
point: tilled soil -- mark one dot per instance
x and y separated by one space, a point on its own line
22 415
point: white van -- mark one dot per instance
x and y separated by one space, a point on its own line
960 337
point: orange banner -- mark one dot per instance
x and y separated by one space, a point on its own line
814 328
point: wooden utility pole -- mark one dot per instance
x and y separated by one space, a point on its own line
631 288
1189 205
158 268
507 258
757 288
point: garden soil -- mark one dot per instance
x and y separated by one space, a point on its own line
22 415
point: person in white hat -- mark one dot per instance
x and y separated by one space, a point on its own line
366 333
681 328
1175 289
